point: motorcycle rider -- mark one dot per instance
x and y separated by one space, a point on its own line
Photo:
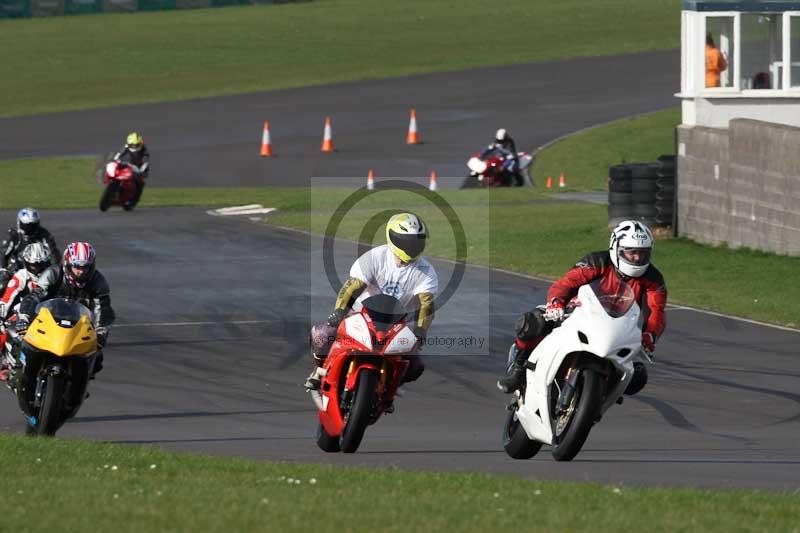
136 155
79 280
37 271
506 145
395 268
628 258
28 230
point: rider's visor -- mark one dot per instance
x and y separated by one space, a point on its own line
36 268
80 271
412 245
27 229
636 256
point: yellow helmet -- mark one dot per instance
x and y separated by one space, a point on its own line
134 142
406 235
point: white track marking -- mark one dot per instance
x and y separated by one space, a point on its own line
240 210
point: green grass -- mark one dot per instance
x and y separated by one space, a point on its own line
87 486
517 229
585 157
67 63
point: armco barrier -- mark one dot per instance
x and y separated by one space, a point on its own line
51 8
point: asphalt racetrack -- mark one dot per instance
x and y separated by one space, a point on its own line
210 349
215 142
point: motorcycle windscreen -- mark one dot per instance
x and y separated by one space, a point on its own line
614 295
384 310
63 328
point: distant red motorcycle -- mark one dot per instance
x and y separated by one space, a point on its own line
489 172
362 372
120 183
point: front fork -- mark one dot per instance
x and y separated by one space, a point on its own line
568 391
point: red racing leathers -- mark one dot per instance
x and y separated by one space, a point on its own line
649 289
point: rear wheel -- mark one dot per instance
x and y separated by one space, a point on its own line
325 442
50 413
108 195
360 412
515 441
571 428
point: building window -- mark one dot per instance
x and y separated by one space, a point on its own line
761 51
719 52
794 34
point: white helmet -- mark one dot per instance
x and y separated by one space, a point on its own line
627 236
501 135
36 257
28 220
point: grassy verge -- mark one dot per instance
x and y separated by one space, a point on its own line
586 156
142 489
64 63
516 229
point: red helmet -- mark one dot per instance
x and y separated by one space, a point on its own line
78 263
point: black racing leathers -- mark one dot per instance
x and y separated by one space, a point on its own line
95 295
16 241
139 159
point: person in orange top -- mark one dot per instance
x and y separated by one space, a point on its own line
715 62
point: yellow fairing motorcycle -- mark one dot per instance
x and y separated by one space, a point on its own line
55 360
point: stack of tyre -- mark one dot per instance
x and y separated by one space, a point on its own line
642 191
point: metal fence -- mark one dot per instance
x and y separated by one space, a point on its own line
52 8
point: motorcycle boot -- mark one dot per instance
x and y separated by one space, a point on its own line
314 381
516 370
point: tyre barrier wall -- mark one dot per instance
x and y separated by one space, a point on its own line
642 191
52 8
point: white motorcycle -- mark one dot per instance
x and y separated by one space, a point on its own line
576 373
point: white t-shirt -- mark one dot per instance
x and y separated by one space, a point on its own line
378 269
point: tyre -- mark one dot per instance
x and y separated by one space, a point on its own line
644 185
619 172
587 402
49 419
619 198
643 197
108 196
663 206
360 412
620 211
644 210
515 441
644 170
620 185
666 190
325 442
663 182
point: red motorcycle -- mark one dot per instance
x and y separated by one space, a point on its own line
120 183
362 372
488 170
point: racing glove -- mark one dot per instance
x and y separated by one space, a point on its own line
554 312
102 336
648 344
335 318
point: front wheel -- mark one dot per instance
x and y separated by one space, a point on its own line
515 441
360 412
108 196
576 423
49 419
325 442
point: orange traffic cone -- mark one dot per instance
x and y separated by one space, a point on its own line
433 185
327 138
266 143
370 181
413 134
562 181
549 182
